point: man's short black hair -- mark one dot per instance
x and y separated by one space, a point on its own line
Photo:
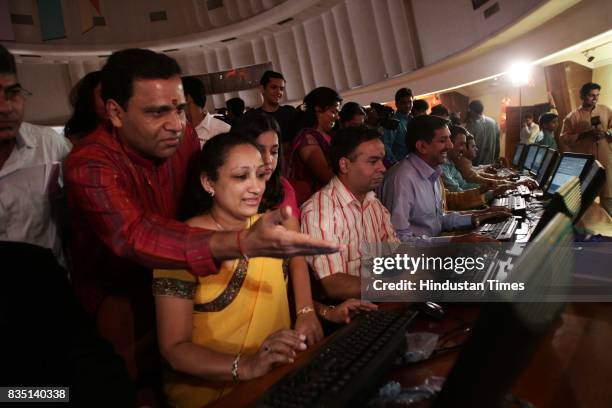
7 61
402 93
423 128
547 117
420 105
265 78
125 66
476 106
528 116
235 105
346 140
193 87
350 110
440 110
457 130
588 87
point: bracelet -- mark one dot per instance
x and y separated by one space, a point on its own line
240 247
235 368
305 310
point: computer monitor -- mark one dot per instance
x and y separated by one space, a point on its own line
508 332
548 164
570 165
530 156
567 200
590 186
539 158
518 154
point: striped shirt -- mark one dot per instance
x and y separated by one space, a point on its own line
334 214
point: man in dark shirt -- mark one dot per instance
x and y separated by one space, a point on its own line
272 85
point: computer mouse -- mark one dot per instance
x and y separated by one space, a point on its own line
430 310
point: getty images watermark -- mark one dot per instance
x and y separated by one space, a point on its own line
521 272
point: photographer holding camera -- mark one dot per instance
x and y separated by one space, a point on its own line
395 138
588 130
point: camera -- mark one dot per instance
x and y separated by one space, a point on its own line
385 119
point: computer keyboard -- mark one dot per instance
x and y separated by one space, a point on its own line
513 203
347 368
502 231
523 190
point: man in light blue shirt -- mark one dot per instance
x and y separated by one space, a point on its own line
412 190
395 140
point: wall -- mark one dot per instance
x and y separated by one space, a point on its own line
128 21
363 68
452 25
49 103
603 76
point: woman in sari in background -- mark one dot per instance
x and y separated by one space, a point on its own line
308 169
219 329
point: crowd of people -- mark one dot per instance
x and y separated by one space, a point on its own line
210 250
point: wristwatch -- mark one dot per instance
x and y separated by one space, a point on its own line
475 221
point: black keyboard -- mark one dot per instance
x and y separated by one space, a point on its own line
513 203
501 231
346 369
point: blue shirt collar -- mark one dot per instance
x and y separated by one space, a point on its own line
424 169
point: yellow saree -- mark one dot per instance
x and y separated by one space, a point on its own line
234 311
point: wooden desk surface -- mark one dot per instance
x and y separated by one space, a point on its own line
572 367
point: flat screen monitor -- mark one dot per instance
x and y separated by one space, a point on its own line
546 167
570 165
531 154
508 333
590 187
517 154
590 176
539 157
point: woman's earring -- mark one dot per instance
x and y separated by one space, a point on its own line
212 193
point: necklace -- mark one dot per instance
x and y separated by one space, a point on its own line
219 226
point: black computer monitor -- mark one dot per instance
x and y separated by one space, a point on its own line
508 332
566 200
539 158
518 154
548 164
594 179
530 156
570 165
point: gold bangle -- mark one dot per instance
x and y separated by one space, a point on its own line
305 310
235 368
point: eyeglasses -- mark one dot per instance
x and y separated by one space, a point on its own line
14 92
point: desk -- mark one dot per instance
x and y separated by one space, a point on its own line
572 367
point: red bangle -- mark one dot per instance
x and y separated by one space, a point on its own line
240 247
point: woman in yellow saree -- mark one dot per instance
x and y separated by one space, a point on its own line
232 326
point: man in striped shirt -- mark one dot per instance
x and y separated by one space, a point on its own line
347 211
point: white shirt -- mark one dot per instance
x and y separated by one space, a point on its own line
529 134
30 181
210 127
